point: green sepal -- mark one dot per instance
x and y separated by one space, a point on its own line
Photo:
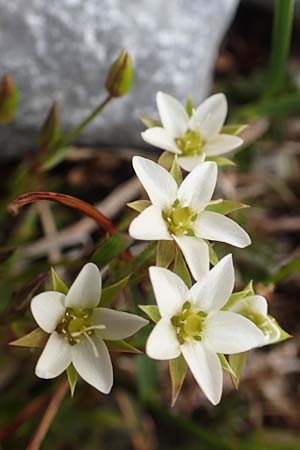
213 257
165 253
151 311
166 160
220 161
72 378
237 363
8 99
36 338
176 171
58 283
283 335
225 364
122 346
139 205
149 122
178 369
225 207
189 106
180 268
237 296
233 129
109 293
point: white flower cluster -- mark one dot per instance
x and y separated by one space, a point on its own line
202 323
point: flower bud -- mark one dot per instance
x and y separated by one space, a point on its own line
119 78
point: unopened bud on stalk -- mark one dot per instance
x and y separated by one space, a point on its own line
119 78
8 99
51 131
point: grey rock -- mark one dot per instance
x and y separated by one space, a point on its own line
61 50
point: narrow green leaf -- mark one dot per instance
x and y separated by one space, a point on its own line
225 207
165 253
139 205
36 338
225 364
110 248
145 258
177 368
149 122
8 99
147 378
180 268
285 271
121 346
166 160
151 311
176 171
233 129
109 293
237 363
72 378
221 161
58 284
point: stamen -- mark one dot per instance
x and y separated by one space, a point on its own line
95 327
92 344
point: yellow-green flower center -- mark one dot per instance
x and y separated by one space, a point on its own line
188 323
179 219
191 144
75 324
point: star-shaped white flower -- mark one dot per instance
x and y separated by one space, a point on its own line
179 213
192 138
79 328
192 324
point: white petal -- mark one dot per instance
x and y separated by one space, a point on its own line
48 309
196 254
228 332
149 225
198 187
56 357
221 144
95 370
159 137
189 163
119 325
210 116
170 291
216 227
214 290
157 181
162 342
206 368
85 291
173 114
254 303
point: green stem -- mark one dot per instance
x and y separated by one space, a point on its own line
281 39
76 131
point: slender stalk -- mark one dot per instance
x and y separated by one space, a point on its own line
50 413
80 205
281 39
69 138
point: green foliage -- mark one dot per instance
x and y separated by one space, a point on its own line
149 122
72 378
139 205
151 311
36 338
109 249
225 207
8 99
176 171
177 368
237 363
180 268
221 161
165 253
110 293
121 346
58 283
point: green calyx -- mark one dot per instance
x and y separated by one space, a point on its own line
75 324
191 144
179 219
266 324
188 323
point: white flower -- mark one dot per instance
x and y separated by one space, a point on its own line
192 138
78 329
179 213
192 324
255 308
